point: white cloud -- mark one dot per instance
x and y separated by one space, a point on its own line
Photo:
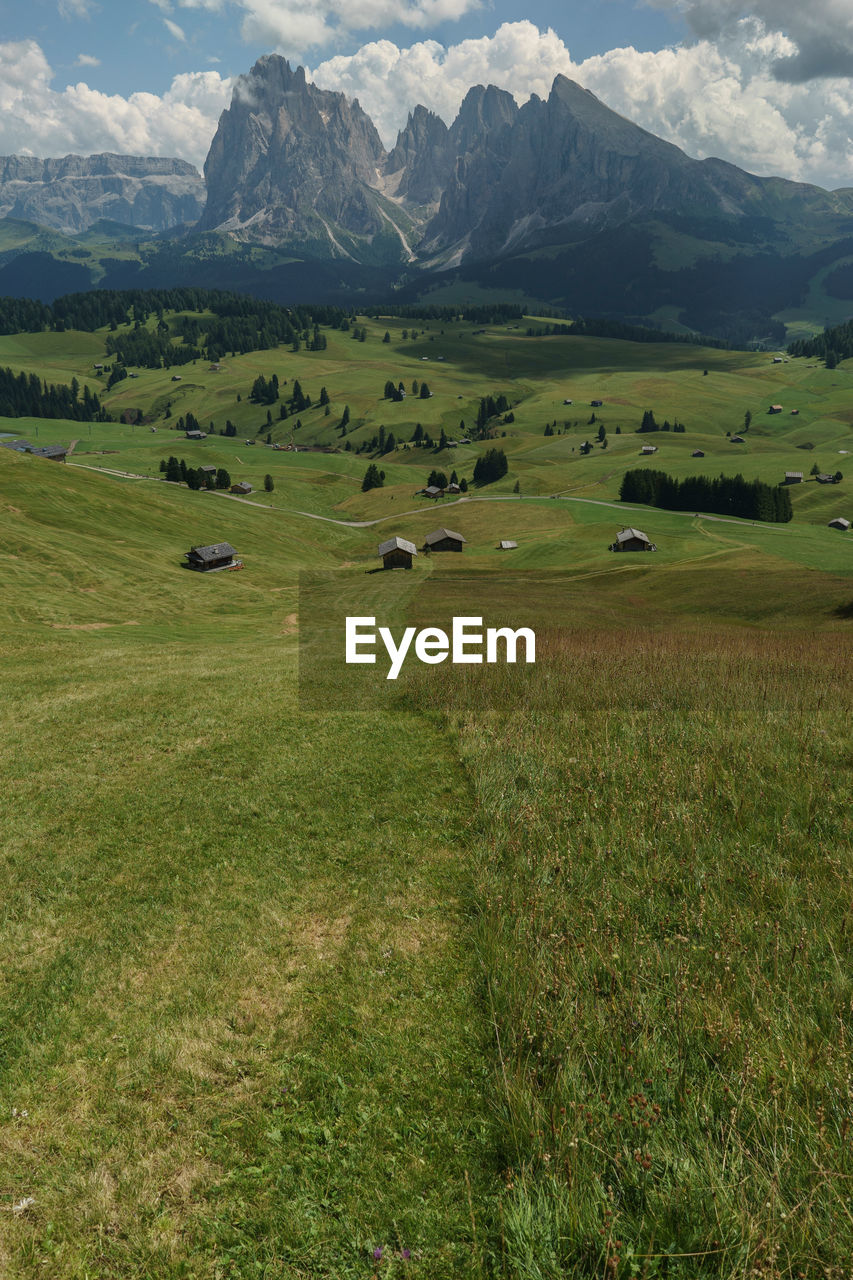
37 119
87 60
720 99
821 31
70 9
174 30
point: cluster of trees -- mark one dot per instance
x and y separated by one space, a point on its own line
724 495
263 391
490 407
176 470
491 466
489 313
149 349
398 392
440 480
373 478
834 344
24 395
649 423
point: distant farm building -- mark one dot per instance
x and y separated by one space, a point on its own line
443 540
567 402
839 523
196 435
775 408
209 469
507 545
794 413
777 359
737 440
242 486
56 452
793 477
697 453
219 555
453 487
432 491
397 553
596 404
649 448
176 377
825 478
632 540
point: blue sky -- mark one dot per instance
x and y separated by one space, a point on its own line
766 84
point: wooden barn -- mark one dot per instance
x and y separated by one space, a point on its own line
632 540
507 545
698 453
242 486
443 540
219 555
648 449
397 553
839 523
793 477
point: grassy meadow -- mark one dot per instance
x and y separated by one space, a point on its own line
526 972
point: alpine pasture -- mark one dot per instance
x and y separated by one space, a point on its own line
529 973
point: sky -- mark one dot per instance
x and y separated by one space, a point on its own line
765 84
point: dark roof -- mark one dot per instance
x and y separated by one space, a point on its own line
439 535
625 535
397 544
216 551
39 451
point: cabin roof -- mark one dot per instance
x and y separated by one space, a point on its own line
438 535
625 535
508 545
216 551
397 544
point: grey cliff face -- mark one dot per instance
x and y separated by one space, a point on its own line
288 157
292 164
71 193
422 159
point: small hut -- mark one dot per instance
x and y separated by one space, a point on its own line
793 477
507 545
839 523
242 486
432 491
649 448
444 540
219 555
632 540
698 453
397 553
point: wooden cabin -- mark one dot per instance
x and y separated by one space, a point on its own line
196 435
698 453
839 523
507 545
793 477
632 540
219 555
242 486
649 448
444 540
432 491
397 553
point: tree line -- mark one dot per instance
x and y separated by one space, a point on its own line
24 395
834 344
724 495
176 471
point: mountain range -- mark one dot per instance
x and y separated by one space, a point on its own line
559 200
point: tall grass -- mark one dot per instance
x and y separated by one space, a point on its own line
664 926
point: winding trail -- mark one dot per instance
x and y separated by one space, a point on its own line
413 511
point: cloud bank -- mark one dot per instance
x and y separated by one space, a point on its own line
721 95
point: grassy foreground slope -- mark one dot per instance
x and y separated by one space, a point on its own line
542 974
235 1033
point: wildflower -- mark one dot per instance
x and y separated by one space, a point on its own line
405 1254
377 1253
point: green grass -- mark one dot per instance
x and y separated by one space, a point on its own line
500 969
